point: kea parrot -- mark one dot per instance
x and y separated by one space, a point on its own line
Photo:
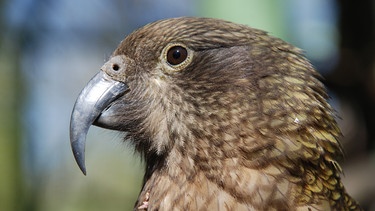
225 117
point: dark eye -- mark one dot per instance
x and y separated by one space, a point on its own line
176 55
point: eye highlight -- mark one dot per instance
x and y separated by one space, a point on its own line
176 55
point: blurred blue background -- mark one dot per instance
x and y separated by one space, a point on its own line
50 49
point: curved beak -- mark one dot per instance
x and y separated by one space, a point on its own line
98 95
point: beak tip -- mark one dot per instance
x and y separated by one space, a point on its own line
84 171
78 148
80 159
81 163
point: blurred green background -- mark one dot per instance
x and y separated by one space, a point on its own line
50 49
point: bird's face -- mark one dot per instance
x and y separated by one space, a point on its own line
178 80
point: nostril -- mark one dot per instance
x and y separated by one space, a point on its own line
115 67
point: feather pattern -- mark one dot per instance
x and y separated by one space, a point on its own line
243 125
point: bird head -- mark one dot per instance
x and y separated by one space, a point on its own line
208 89
224 115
